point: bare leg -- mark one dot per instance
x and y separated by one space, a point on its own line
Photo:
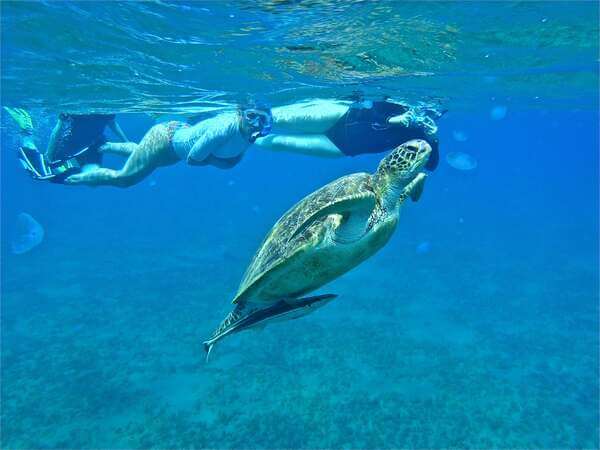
153 151
119 148
116 128
51 149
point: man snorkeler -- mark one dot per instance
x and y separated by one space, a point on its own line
332 128
326 128
72 148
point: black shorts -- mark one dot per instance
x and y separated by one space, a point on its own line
364 129
80 131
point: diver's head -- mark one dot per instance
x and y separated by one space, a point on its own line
256 122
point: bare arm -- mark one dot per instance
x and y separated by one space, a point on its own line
306 144
219 136
312 117
301 127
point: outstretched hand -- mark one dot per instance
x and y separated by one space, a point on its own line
414 119
404 120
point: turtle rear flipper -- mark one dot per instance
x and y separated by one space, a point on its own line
207 349
239 320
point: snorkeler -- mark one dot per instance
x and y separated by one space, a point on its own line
72 148
219 141
328 128
332 128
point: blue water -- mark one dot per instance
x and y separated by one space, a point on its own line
487 339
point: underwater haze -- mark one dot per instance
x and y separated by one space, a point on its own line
476 326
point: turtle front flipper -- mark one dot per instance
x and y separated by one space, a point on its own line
414 189
352 205
247 315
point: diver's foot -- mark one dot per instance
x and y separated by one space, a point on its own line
78 178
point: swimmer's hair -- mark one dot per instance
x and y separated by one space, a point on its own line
261 106
249 103
355 96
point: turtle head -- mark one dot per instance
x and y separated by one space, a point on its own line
401 167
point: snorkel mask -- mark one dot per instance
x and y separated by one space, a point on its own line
258 121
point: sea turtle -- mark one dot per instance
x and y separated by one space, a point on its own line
323 236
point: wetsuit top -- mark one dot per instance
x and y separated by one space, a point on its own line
79 131
364 129
216 139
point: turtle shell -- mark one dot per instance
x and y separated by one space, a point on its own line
288 234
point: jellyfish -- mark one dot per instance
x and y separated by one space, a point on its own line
29 234
460 136
423 247
498 112
461 161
